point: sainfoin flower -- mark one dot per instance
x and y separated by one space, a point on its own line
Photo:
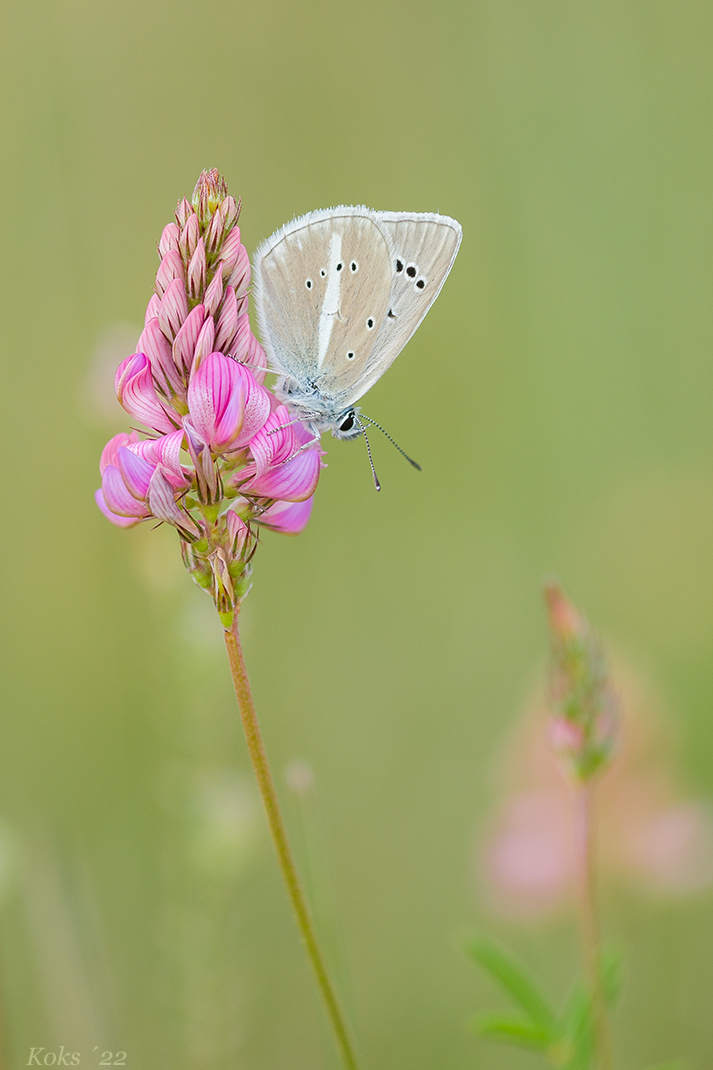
219 457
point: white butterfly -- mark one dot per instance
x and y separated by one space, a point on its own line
338 294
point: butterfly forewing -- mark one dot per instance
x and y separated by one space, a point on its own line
322 291
424 248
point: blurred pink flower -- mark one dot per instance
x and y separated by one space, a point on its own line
650 835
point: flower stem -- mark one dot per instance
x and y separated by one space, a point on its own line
589 925
258 757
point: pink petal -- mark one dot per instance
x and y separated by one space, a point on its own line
169 239
110 453
170 268
197 270
185 343
230 252
189 236
257 359
163 505
136 392
237 530
287 517
204 345
240 278
240 344
293 481
227 321
120 521
136 473
274 442
165 451
155 345
117 496
216 395
257 406
214 293
174 309
153 308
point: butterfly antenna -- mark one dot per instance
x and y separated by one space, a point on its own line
377 484
402 452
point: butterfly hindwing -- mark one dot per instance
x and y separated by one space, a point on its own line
424 248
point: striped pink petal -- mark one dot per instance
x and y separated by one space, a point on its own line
174 309
153 308
227 321
205 342
240 277
294 481
288 517
110 453
214 293
136 473
237 530
189 236
169 239
216 399
166 451
155 345
137 394
257 406
170 268
185 343
120 521
230 252
163 505
197 270
274 442
117 496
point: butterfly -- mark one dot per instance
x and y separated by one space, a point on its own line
338 294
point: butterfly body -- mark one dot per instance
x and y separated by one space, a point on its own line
338 294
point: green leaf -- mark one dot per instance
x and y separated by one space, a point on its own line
511 1028
515 981
577 1031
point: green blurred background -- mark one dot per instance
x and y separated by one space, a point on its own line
559 397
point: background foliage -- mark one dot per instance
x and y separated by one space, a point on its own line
559 398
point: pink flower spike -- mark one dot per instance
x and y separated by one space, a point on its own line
185 343
189 237
237 530
293 481
136 473
117 496
155 345
120 521
163 506
170 268
240 277
204 344
227 321
214 293
216 400
169 239
137 394
153 308
289 518
110 453
197 270
174 309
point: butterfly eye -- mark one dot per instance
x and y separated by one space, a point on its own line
351 354
354 266
420 283
369 323
412 271
399 265
347 423
308 284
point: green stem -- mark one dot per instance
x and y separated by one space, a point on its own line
278 831
589 925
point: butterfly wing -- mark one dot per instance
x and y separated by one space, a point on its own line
424 248
322 290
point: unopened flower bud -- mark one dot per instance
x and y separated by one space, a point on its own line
183 212
230 212
214 234
210 191
197 270
214 293
169 239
